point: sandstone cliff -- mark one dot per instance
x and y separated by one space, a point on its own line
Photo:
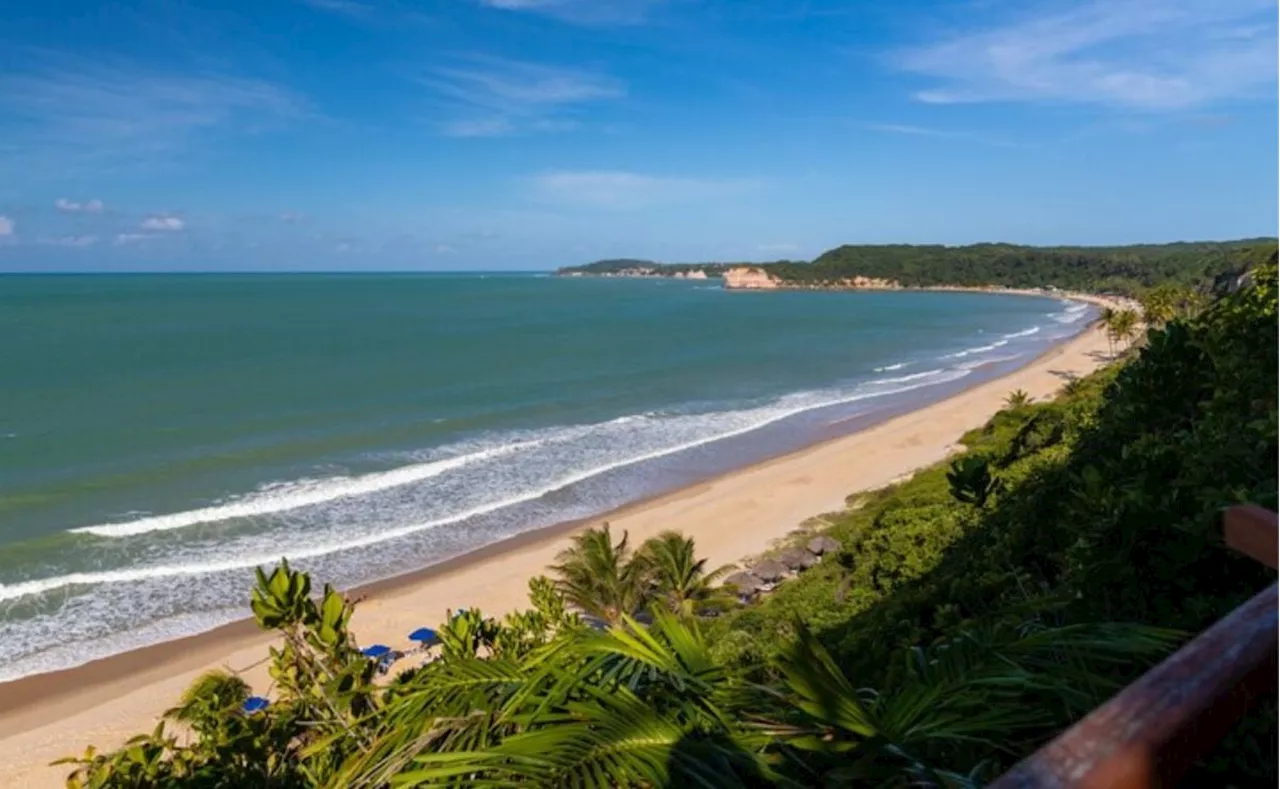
748 278
752 278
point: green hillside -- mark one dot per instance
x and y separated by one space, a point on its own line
1126 270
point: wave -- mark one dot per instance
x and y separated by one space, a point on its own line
890 367
978 349
986 360
905 378
1023 333
769 416
301 493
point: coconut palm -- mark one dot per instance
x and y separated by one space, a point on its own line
1124 326
1017 399
598 577
1106 320
678 579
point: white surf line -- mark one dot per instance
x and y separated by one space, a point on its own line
325 490
40 586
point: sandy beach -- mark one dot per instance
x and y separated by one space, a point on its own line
734 516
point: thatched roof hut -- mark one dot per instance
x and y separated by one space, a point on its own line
823 544
797 558
770 570
745 583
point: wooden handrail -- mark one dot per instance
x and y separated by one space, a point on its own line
1154 730
1252 530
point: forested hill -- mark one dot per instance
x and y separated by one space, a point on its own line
647 268
1127 270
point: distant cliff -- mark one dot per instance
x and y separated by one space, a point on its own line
635 267
1125 270
630 267
761 278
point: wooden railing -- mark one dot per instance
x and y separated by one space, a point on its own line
1154 730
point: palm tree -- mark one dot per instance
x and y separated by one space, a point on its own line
598 577
1125 326
679 579
208 701
1017 399
1107 319
1157 306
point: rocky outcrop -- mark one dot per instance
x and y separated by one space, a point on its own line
753 278
748 278
870 283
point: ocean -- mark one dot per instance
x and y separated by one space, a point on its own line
162 435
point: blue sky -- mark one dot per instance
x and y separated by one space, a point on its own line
521 134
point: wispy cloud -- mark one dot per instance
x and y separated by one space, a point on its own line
492 97
62 110
583 12
343 7
7 226
124 239
618 189
940 134
1143 54
66 206
68 241
162 222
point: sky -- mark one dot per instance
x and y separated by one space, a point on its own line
369 135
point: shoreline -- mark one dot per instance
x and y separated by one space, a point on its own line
732 516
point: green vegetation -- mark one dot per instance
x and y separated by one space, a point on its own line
1128 270
620 265
1181 273
971 613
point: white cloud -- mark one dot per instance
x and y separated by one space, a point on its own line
292 217
492 97
344 7
485 127
69 241
62 110
94 206
620 189
162 223
925 131
7 226
444 249
123 239
585 12
1144 54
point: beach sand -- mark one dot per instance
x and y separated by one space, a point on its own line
732 517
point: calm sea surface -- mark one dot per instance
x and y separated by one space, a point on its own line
162 435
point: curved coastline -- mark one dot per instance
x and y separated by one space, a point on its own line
732 515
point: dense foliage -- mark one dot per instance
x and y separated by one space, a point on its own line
1127 270
973 611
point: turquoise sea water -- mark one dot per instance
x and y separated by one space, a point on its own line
162 435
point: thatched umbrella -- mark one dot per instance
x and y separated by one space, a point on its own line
770 570
823 544
745 583
797 558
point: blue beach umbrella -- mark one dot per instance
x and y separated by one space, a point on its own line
424 634
255 704
375 651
